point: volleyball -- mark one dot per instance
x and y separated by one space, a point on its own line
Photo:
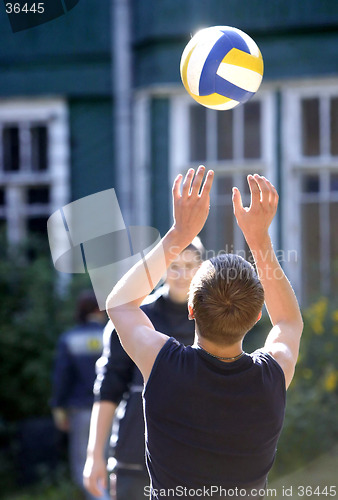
221 67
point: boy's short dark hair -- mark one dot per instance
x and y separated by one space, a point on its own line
226 297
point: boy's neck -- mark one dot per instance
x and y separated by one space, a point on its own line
229 353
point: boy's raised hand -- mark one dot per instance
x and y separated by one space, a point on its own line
191 207
255 220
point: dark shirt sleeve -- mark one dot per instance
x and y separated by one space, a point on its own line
114 370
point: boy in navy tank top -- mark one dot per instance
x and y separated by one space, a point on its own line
213 412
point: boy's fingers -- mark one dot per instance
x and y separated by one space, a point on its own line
207 183
177 186
196 185
187 182
237 201
273 196
264 189
269 187
254 190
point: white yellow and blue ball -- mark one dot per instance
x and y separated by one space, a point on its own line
221 67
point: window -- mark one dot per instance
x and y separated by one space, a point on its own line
310 127
319 126
234 134
24 147
33 164
222 233
311 173
334 126
198 133
319 215
234 143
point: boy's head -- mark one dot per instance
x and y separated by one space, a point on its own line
225 299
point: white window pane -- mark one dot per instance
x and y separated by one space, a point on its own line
252 130
224 185
224 233
310 127
3 226
11 148
198 138
32 144
39 144
311 250
2 197
334 126
220 221
38 195
225 135
310 183
37 225
334 182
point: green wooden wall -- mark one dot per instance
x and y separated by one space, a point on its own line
69 55
297 39
176 18
159 164
91 131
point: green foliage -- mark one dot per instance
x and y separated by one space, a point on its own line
60 488
32 315
310 428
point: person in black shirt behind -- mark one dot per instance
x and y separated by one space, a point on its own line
118 378
73 377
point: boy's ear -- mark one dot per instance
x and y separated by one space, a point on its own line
259 316
191 312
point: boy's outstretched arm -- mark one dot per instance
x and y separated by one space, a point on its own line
136 332
284 338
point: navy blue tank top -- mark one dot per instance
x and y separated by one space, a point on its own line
210 423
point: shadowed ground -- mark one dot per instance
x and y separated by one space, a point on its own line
321 473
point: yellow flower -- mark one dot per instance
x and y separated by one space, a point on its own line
335 322
307 373
317 326
316 315
331 380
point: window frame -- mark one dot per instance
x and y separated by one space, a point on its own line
179 159
295 165
54 114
